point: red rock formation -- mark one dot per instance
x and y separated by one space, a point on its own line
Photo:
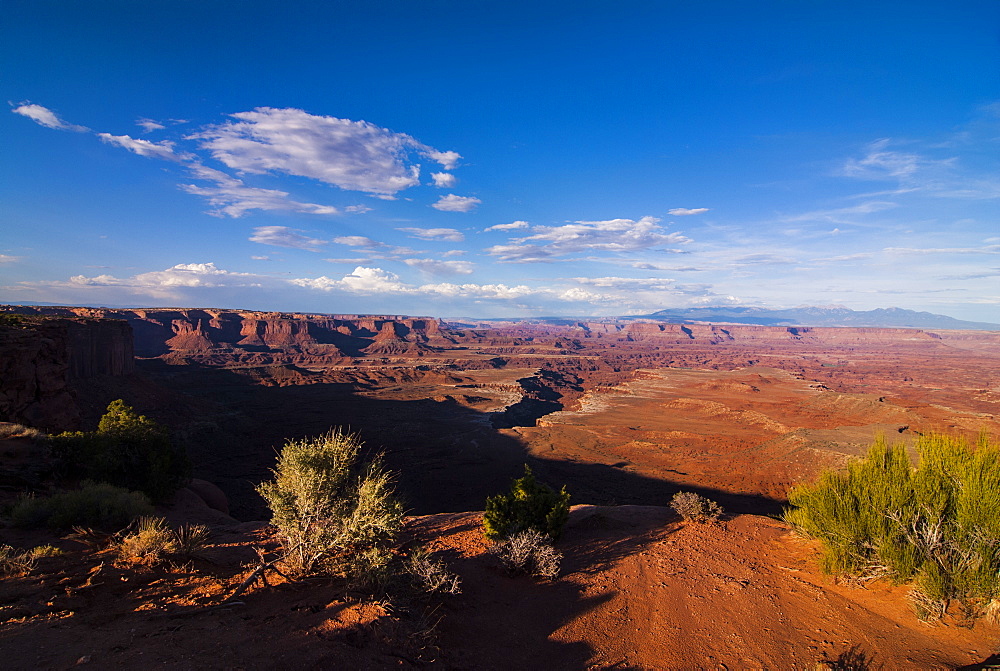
39 359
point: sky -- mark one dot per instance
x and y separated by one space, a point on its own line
501 159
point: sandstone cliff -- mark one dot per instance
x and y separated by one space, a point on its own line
41 358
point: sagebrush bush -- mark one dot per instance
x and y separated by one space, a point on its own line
936 525
529 505
128 450
695 508
14 562
9 430
333 513
97 505
528 551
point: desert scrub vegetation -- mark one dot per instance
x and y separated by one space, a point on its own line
10 430
528 552
935 525
528 505
151 540
334 514
430 575
695 508
127 450
94 504
14 562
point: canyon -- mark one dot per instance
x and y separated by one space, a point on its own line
625 414
621 412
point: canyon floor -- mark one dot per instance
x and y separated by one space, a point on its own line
624 418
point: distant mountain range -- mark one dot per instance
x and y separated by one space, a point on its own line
816 316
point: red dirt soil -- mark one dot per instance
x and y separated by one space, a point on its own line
639 590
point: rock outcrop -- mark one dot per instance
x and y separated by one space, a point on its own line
41 358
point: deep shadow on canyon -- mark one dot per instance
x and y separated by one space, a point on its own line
447 457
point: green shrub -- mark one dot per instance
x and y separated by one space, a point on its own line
528 505
695 508
333 513
936 525
128 450
93 505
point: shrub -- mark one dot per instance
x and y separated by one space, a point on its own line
529 551
431 575
151 541
9 430
936 525
695 508
333 513
128 450
15 562
528 505
93 505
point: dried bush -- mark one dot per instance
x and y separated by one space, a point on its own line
936 525
15 562
127 450
151 541
695 508
333 514
8 431
92 505
529 505
528 551
431 575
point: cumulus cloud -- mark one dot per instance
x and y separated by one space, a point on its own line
514 225
686 212
148 125
352 155
449 234
231 197
435 267
453 203
180 275
162 150
443 180
282 236
614 235
43 116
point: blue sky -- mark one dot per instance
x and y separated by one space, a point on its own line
501 159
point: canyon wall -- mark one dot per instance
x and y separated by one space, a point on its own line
40 359
263 338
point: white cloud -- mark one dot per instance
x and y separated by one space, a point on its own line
358 241
447 159
453 203
361 281
148 125
352 155
357 209
989 249
880 163
685 212
615 235
454 252
231 197
514 225
443 180
435 267
449 234
282 236
162 150
46 117
180 275
261 258
7 258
